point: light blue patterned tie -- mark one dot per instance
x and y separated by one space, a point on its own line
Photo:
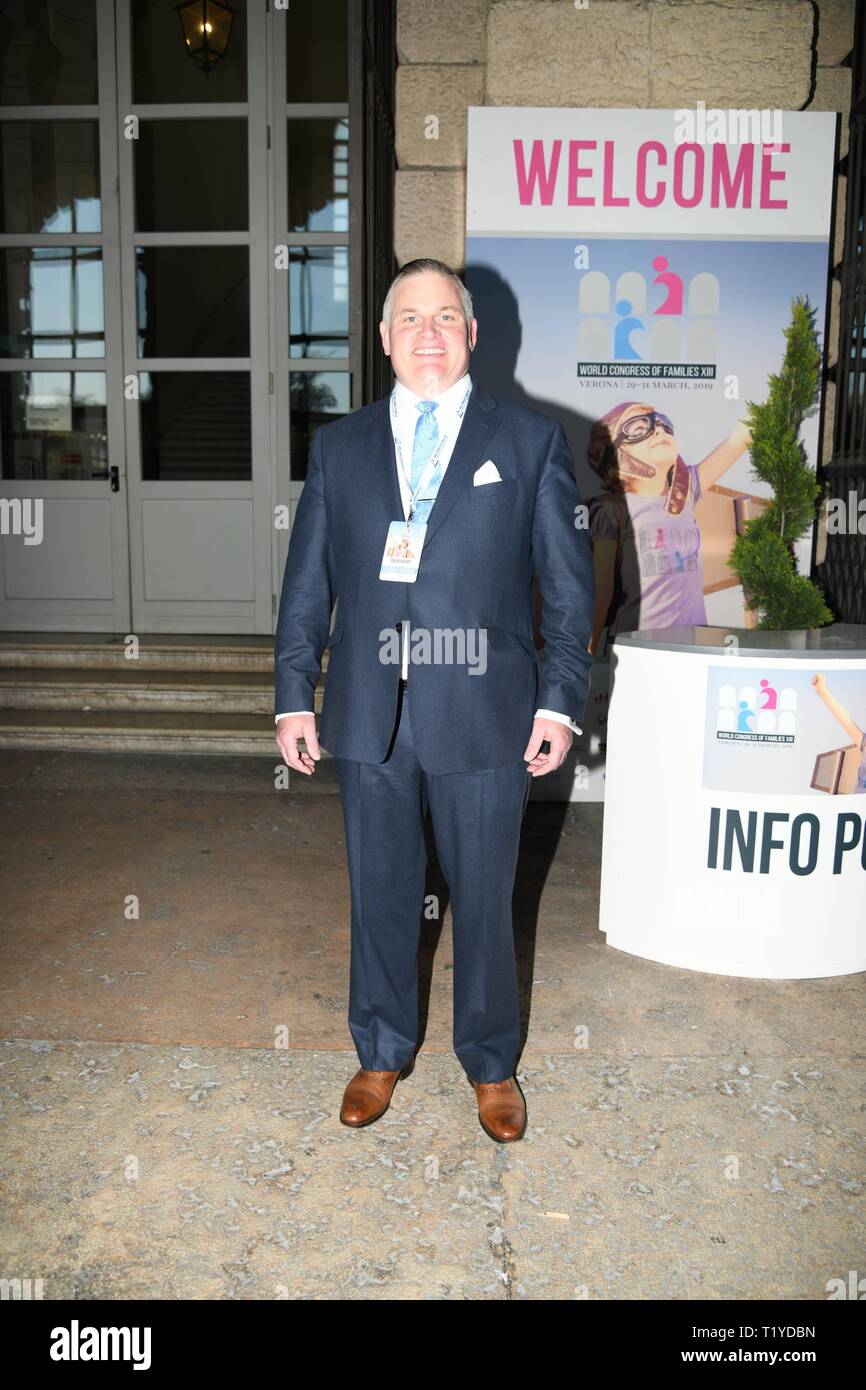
426 440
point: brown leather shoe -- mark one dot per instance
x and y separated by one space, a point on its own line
368 1095
501 1109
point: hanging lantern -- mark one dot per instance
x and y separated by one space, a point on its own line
207 27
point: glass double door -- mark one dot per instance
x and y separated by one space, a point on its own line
175 262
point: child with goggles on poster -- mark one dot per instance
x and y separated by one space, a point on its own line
849 724
646 543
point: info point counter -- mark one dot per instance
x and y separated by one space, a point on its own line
735 801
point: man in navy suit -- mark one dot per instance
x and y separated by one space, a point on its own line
424 517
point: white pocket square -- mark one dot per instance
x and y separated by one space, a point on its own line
487 473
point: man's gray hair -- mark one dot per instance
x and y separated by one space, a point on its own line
422 267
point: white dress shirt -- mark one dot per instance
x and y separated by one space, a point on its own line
449 422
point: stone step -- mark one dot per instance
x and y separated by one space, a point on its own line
184 694
209 692
92 651
116 731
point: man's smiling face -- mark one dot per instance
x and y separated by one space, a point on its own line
429 339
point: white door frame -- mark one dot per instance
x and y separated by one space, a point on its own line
124 604
37 584
287 489
245 504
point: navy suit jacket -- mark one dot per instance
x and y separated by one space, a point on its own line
482 546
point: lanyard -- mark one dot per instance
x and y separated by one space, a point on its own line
432 462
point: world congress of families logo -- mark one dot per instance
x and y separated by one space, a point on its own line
760 713
620 336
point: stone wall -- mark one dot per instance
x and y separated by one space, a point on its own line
454 54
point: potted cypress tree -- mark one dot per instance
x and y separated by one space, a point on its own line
763 556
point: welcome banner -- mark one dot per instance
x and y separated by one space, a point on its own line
633 273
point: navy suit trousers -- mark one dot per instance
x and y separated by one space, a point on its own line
476 818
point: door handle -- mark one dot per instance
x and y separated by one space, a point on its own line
114 475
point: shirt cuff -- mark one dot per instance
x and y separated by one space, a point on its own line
560 719
278 717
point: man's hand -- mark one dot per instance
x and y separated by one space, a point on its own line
560 738
290 729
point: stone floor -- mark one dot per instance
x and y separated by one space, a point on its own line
174 974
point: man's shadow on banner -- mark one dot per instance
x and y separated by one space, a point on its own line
493 366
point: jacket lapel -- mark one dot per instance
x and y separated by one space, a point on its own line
382 458
480 423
